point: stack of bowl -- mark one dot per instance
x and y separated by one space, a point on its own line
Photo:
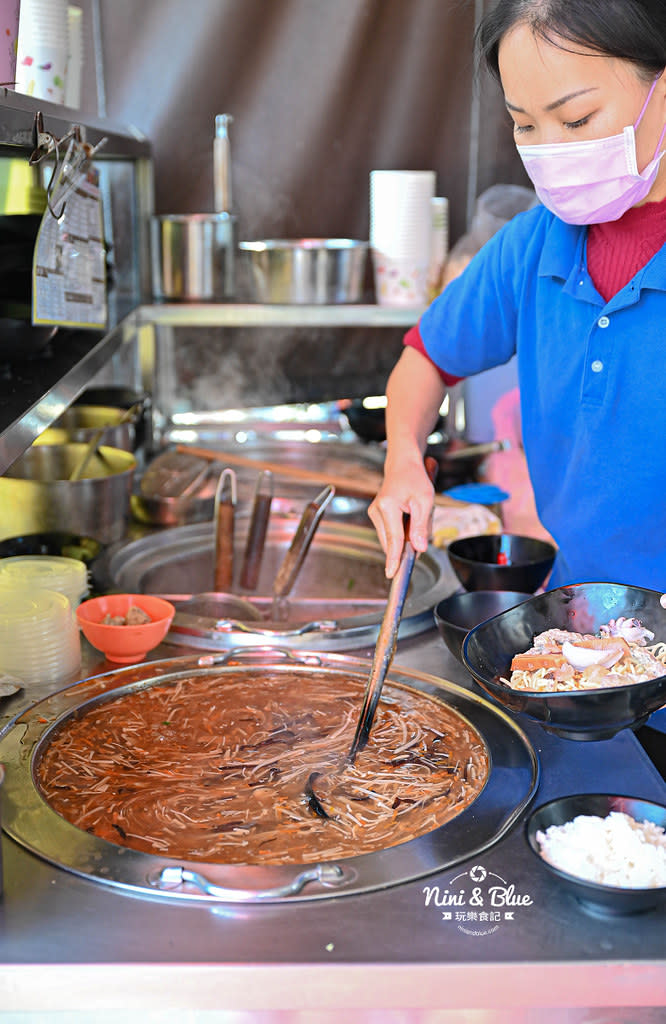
39 638
498 572
67 576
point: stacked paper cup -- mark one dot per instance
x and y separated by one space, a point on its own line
439 244
9 22
74 56
41 59
400 235
39 636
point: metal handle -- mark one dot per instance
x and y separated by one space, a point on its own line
239 655
324 874
225 511
256 535
388 633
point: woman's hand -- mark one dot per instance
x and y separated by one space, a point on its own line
414 392
406 491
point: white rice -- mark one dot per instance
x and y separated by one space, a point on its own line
616 850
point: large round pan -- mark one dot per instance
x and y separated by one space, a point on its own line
30 821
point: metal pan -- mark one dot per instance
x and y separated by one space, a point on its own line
31 822
337 602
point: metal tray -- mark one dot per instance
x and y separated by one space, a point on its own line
30 821
337 602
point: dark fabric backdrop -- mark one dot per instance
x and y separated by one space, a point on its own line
322 92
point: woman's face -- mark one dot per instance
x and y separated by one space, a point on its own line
554 95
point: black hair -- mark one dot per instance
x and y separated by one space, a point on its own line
631 30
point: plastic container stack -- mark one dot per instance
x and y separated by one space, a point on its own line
39 636
67 576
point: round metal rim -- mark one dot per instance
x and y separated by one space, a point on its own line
32 823
123 567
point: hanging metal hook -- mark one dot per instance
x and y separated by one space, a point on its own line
69 166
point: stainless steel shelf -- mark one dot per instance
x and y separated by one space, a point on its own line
191 314
17 113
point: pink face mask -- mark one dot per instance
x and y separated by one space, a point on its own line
595 181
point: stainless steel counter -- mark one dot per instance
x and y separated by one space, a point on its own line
71 946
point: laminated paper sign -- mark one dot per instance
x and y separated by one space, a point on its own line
69 266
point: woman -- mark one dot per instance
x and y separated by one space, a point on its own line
576 287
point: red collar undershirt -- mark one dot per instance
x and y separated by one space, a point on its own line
618 250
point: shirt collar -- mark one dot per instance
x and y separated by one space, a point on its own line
563 257
563 251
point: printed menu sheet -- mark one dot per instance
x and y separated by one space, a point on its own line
69 265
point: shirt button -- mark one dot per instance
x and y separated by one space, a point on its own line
597 366
603 321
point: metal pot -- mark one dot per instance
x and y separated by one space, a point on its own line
124 398
36 493
193 256
321 271
80 422
325 457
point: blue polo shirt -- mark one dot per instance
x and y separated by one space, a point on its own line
591 385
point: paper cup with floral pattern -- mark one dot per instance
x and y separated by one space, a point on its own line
9 23
400 281
41 60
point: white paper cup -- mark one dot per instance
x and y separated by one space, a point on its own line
400 281
400 212
74 56
9 23
41 73
41 59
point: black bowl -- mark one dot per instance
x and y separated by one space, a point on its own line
457 614
605 900
579 714
477 563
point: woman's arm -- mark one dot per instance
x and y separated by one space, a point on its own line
415 392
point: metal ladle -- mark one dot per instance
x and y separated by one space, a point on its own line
384 651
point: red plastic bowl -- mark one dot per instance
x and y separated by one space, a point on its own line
125 644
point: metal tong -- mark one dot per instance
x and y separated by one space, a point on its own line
384 651
256 536
298 549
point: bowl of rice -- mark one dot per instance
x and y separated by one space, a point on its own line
608 851
584 661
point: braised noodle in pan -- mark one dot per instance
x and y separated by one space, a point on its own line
213 767
563 660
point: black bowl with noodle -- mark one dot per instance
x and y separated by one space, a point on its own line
597 897
593 714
